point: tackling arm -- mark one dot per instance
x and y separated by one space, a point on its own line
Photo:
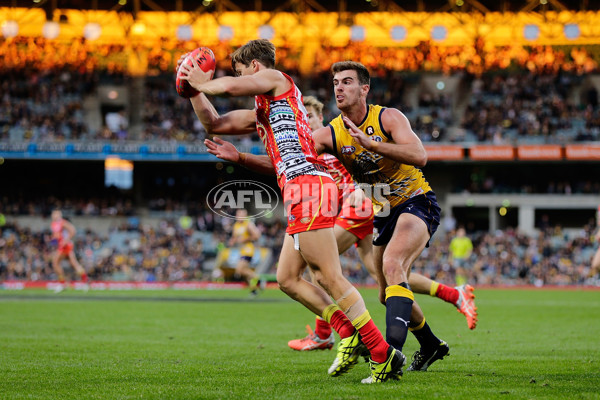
406 147
323 141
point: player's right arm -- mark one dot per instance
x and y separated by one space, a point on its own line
228 152
237 122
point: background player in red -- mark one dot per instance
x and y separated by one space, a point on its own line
353 225
280 119
62 235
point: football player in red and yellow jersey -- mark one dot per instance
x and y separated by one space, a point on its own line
308 194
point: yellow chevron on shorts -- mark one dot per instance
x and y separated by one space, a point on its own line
320 205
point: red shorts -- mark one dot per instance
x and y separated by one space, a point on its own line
65 248
357 220
310 203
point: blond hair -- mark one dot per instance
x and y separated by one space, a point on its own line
311 101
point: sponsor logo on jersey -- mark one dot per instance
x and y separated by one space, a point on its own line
305 220
370 130
348 149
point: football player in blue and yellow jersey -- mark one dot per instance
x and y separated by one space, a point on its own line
243 235
382 153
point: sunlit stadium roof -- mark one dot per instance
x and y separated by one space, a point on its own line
311 5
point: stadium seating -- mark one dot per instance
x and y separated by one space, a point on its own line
59 79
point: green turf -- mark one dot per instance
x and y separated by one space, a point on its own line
528 345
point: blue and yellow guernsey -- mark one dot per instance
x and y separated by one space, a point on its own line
240 229
387 182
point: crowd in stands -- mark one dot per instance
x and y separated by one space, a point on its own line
530 107
183 249
473 59
94 207
508 257
517 92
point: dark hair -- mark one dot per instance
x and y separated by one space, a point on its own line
361 71
260 50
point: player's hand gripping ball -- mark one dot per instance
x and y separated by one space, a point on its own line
205 59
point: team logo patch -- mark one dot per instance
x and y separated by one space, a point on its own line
370 130
291 217
376 138
305 220
348 149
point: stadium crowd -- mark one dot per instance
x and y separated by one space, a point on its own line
44 83
518 93
182 249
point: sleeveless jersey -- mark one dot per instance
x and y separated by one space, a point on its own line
282 125
240 228
341 177
58 230
387 182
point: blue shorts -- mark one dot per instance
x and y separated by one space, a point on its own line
424 206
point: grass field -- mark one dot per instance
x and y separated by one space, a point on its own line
220 345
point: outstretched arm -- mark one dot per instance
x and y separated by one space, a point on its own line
406 147
323 140
228 152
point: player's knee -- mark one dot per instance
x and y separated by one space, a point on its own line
287 283
333 284
394 264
